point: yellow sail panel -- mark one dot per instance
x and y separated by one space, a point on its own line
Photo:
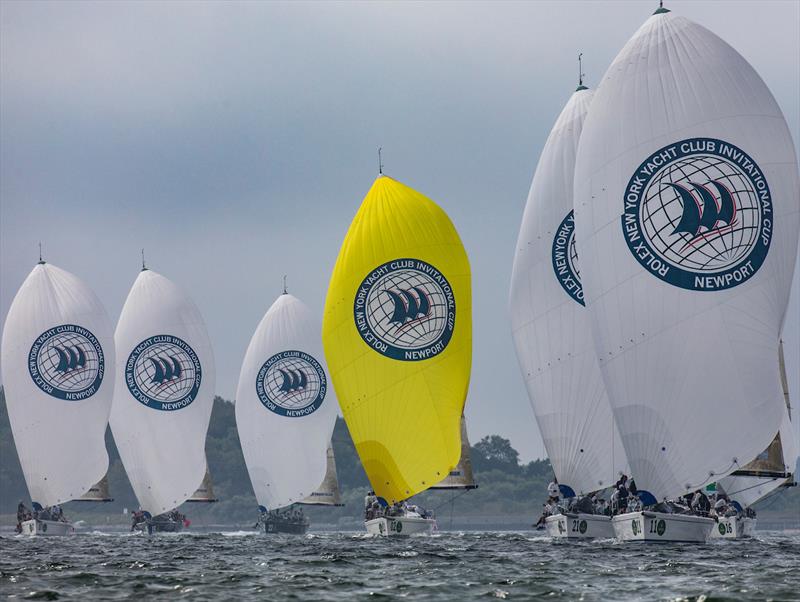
397 332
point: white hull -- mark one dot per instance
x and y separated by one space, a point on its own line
733 527
579 526
400 525
658 526
47 528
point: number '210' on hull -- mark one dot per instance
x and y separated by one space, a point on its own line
579 526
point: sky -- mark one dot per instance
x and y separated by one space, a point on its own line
234 143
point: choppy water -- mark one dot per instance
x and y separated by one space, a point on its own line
348 566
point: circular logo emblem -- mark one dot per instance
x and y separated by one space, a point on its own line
163 373
661 527
67 362
721 528
582 526
635 526
405 309
565 258
291 383
698 215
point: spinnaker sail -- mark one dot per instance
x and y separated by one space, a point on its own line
550 324
164 392
397 332
58 376
462 476
285 407
686 312
328 493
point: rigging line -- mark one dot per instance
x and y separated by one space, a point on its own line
719 475
451 500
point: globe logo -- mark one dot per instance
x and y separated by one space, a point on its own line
163 372
698 215
67 362
292 384
565 258
405 309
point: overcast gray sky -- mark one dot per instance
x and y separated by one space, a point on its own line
235 142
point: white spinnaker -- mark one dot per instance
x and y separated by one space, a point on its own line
686 370
60 437
285 405
550 325
164 392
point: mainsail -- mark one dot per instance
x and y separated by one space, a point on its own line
285 407
327 494
550 324
774 466
159 418
686 323
97 493
461 477
400 362
58 373
204 493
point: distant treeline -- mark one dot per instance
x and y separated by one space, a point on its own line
506 487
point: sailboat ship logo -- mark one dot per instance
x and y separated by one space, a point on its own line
67 362
291 383
405 309
163 372
698 215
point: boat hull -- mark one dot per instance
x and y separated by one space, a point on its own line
282 526
400 526
579 526
733 527
661 527
47 528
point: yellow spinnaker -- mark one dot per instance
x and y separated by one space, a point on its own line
397 332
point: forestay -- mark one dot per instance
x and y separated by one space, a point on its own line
686 207
58 377
285 406
550 324
397 332
164 392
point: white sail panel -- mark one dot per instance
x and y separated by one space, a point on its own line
205 492
98 492
686 206
58 375
285 405
552 335
328 493
164 392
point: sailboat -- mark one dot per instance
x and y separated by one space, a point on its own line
552 334
397 333
163 398
686 210
58 373
285 413
461 477
769 471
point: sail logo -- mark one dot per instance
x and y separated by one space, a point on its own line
698 215
405 309
292 384
164 373
565 258
67 362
